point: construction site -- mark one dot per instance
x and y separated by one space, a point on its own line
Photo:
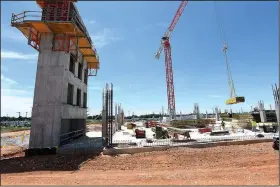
63 148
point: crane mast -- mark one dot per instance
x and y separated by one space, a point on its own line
165 44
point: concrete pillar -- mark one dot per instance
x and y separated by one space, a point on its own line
276 94
277 111
119 117
206 115
262 112
122 117
217 114
180 115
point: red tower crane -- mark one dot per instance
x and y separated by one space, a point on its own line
168 60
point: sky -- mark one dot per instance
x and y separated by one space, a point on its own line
127 35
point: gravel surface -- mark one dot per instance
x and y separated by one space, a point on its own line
254 164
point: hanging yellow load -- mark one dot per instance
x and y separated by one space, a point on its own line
235 100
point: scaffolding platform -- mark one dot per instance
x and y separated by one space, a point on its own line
64 28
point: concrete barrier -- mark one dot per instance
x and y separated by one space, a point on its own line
133 150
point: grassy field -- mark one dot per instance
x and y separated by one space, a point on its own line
13 129
94 122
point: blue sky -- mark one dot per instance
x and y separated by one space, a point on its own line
127 34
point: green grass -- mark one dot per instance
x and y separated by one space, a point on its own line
13 129
94 122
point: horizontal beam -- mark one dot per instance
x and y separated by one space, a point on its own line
89 55
85 47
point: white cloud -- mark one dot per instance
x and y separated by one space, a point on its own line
8 33
12 104
214 96
17 55
10 92
104 37
90 22
15 100
7 80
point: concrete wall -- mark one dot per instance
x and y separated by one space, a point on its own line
50 96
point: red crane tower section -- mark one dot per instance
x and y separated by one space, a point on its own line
168 60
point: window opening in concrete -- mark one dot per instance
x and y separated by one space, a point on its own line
78 97
85 100
85 77
70 94
72 64
80 69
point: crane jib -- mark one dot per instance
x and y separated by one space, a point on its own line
178 15
175 20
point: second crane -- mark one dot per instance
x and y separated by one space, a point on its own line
165 44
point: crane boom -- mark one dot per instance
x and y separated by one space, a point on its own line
174 22
168 60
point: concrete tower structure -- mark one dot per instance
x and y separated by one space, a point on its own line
66 59
262 112
217 114
196 111
276 93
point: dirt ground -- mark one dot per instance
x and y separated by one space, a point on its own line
17 133
94 127
255 164
11 150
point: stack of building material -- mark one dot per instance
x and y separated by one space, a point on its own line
242 123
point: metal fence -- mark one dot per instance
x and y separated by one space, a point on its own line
67 137
182 142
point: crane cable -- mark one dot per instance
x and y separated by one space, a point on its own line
225 47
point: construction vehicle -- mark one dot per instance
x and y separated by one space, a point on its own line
168 60
140 133
150 124
234 99
161 133
131 125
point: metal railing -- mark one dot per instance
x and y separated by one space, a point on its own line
37 16
26 15
71 135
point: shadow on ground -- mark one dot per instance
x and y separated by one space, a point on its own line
68 158
46 163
